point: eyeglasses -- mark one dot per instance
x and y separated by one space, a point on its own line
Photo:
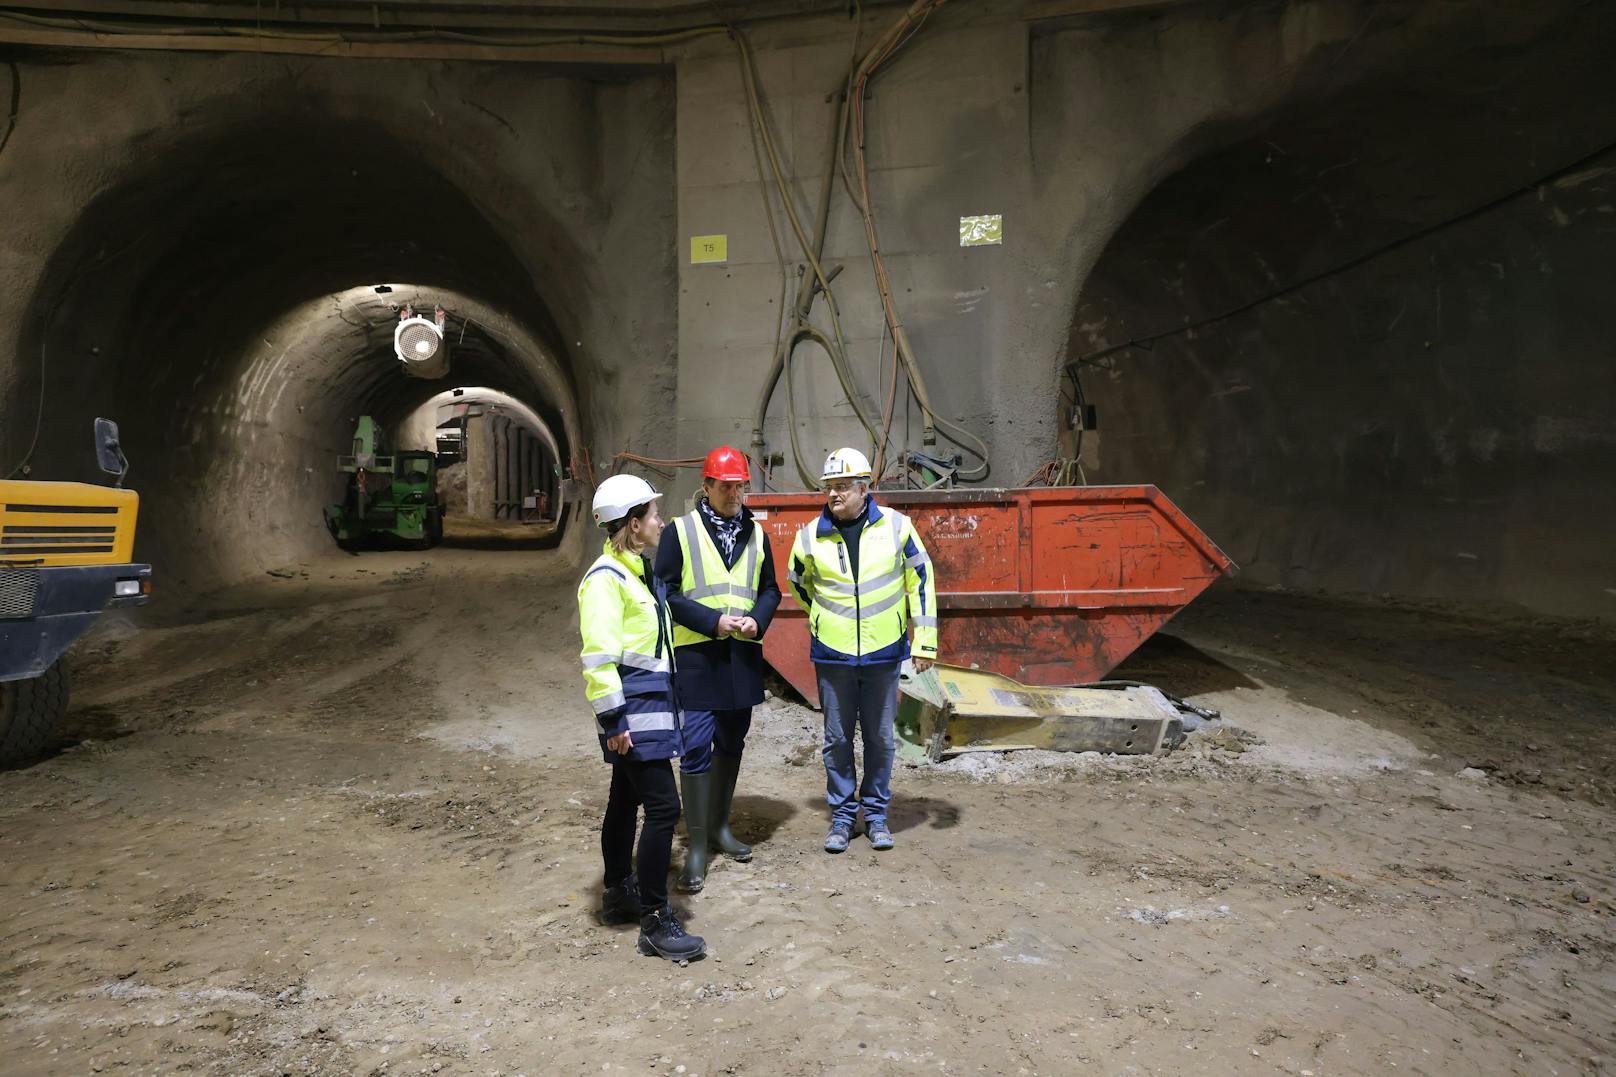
840 489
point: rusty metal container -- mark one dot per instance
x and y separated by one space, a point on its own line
1047 585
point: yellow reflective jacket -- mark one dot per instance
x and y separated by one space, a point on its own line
707 581
865 622
628 655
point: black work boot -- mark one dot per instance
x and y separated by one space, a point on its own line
698 806
726 769
620 904
661 935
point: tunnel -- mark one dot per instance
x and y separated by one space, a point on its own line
497 458
1259 697
232 304
1358 339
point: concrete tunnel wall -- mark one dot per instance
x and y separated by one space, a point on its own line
1433 421
1060 125
573 199
202 233
1066 127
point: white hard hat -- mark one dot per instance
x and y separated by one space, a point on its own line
617 496
846 464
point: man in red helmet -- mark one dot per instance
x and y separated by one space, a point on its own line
722 593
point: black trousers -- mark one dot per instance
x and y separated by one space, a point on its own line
636 785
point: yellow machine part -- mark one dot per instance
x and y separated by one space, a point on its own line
66 523
949 710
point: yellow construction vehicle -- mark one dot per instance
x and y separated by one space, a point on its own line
66 554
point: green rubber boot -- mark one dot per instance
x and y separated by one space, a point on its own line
726 769
697 792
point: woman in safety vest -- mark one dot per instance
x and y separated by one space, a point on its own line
628 676
721 589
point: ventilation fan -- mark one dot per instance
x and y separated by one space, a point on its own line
420 344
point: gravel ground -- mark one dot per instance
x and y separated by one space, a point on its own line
345 822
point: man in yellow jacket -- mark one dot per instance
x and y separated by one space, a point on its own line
865 579
719 573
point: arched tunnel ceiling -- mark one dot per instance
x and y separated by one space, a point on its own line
486 347
1317 184
485 396
219 302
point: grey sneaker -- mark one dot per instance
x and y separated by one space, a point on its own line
880 836
836 841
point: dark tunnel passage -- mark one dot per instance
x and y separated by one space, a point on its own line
1393 380
222 304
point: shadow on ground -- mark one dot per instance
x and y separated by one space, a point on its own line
1179 667
906 813
755 819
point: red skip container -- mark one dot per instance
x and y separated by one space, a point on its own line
1048 585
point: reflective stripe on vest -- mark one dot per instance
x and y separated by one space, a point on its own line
865 615
707 581
624 614
651 720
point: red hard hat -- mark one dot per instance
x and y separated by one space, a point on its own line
726 465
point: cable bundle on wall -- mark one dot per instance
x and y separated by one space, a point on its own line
904 352
850 111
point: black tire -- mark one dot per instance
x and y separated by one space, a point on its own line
431 530
30 714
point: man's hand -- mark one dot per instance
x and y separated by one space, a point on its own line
747 627
923 664
620 743
728 625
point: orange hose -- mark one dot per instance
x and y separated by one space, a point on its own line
652 461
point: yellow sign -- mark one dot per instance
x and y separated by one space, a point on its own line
983 231
709 249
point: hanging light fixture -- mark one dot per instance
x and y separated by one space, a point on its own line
421 345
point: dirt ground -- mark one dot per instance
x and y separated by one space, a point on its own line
344 821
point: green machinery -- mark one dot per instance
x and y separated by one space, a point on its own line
390 496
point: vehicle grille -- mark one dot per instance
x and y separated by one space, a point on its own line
18 539
18 586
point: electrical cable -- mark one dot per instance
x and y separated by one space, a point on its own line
16 105
39 415
892 399
517 40
1144 342
882 51
662 467
851 105
1066 471
44 335
801 328
811 251
780 261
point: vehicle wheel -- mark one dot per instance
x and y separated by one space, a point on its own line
434 529
30 712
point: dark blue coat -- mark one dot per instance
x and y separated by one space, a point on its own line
722 674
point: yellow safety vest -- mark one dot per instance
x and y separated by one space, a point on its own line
865 620
707 581
627 651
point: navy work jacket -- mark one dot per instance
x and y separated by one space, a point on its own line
722 674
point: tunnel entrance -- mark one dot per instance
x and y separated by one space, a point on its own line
1356 342
499 467
233 302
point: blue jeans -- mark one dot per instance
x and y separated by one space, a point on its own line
706 732
867 697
